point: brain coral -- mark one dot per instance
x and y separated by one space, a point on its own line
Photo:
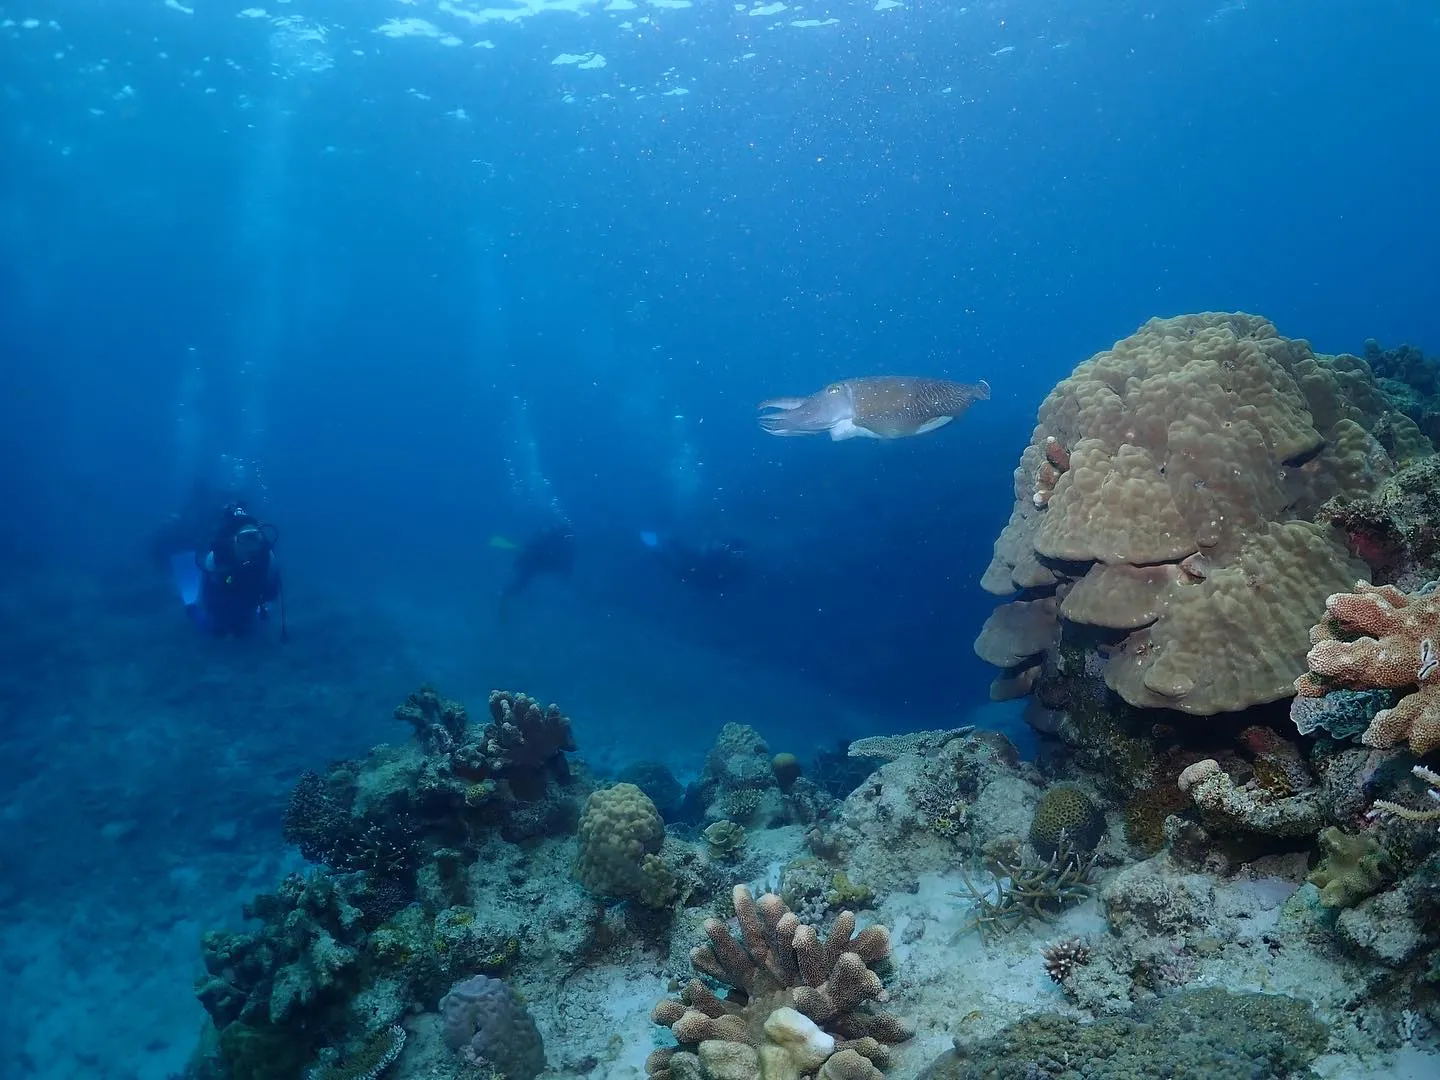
1065 811
1167 498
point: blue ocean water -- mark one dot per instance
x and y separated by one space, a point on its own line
421 279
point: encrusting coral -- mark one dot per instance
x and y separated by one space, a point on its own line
797 1004
1378 637
1168 499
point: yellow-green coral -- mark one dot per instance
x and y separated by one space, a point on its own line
657 888
481 793
1354 867
725 839
844 893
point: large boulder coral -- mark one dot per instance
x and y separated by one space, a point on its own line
796 1004
1167 501
484 1022
621 834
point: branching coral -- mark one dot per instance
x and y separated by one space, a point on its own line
1383 808
1029 888
1378 637
796 1005
1168 500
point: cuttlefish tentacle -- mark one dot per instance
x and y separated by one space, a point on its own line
808 415
878 407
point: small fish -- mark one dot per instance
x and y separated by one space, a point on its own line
502 543
879 407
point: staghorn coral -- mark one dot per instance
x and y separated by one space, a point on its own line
1168 498
796 1005
1378 637
1383 808
1028 887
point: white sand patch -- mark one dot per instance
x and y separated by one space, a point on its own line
769 9
804 24
175 5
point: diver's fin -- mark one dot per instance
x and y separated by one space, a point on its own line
186 573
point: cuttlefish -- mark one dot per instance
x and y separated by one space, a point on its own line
878 407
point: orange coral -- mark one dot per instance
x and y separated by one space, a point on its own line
1378 637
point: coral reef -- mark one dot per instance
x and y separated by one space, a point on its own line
796 1005
406 848
1395 530
1378 637
1387 809
1227 806
1167 506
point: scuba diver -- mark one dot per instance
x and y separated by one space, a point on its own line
551 550
187 528
228 588
716 566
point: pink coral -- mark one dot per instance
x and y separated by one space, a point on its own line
1378 637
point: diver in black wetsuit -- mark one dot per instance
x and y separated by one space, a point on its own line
239 577
549 551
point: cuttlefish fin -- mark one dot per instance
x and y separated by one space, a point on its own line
848 429
931 425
